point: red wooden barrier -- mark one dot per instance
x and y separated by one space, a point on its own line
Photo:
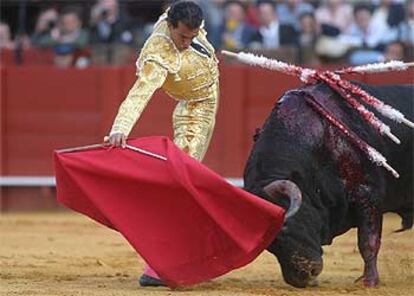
263 90
29 56
3 89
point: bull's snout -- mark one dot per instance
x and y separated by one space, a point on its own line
303 272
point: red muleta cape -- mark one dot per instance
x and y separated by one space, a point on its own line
186 221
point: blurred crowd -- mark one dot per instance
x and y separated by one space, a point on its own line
296 31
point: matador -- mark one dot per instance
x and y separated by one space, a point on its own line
187 70
178 58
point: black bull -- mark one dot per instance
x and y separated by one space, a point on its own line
340 187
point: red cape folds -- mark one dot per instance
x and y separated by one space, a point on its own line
185 220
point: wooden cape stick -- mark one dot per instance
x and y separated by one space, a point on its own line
97 146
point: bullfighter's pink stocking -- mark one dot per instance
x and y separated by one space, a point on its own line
150 272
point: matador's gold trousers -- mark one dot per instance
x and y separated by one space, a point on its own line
193 123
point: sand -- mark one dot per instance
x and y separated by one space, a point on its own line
68 254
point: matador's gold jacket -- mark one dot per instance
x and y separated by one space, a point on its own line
190 76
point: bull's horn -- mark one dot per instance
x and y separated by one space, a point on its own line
288 188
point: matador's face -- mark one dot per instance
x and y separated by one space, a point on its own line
182 35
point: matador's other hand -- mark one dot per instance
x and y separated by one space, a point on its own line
116 140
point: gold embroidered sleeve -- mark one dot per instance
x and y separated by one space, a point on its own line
151 77
160 49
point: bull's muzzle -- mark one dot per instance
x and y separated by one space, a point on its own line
304 273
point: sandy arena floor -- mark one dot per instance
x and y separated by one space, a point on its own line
68 254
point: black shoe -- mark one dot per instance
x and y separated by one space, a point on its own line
149 281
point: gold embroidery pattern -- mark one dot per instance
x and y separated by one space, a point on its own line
194 123
160 48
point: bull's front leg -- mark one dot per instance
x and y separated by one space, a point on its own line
369 238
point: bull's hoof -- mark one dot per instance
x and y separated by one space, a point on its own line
149 281
367 282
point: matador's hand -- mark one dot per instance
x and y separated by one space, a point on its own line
116 140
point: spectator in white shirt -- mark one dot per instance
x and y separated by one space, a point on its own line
289 12
387 20
408 25
335 13
362 32
272 34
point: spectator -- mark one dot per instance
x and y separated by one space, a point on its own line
45 24
252 17
6 41
272 34
235 32
213 11
65 30
308 30
309 33
395 51
109 25
387 20
362 33
363 37
290 11
69 40
336 14
113 33
388 12
408 26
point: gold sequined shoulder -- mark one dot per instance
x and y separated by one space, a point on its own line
160 48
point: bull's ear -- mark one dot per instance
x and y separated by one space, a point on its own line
289 189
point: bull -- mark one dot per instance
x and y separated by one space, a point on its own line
332 185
